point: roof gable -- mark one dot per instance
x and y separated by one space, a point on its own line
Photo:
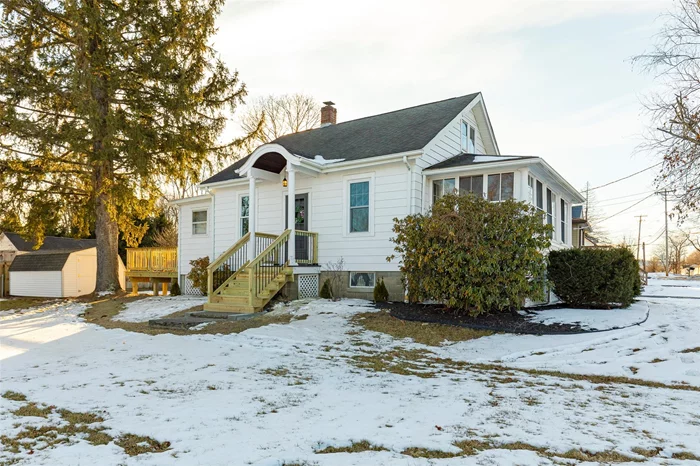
387 133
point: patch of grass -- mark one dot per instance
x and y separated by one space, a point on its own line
691 350
647 452
14 396
424 333
397 361
277 372
657 360
12 304
424 363
685 455
354 447
416 452
75 417
33 409
604 457
102 313
138 444
50 436
78 427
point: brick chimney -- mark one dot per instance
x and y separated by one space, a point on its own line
329 114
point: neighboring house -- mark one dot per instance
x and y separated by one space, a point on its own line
349 181
60 268
582 229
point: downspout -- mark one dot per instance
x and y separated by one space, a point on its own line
179 249
409 206
213 225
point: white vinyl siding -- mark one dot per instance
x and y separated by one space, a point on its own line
195 246
36 284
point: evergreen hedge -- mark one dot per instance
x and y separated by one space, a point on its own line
473 255
595 277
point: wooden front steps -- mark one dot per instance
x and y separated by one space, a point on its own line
235 295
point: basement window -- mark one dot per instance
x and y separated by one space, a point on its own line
362 279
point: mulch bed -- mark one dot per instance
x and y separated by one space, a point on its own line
500 322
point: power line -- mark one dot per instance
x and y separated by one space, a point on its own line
627 208
626 177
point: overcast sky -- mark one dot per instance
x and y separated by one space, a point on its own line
555 75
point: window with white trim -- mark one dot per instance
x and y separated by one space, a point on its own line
362 279
539 199
471 185
199 222
245 215
500 186
442 187
563 217
468 137
550 211
359 207
531 189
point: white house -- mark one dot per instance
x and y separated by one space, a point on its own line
349 181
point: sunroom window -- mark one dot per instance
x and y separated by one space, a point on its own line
471 185
500 186
442 187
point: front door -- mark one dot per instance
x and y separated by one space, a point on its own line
301 206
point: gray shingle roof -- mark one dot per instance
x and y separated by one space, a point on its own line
388 133
476 159
51 243
40 261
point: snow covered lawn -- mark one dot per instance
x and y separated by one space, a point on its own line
154 307
282 394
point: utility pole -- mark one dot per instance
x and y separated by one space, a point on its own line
586 214
665 193
639 235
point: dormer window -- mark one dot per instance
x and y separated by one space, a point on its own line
468 134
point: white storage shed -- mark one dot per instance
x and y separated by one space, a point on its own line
56 273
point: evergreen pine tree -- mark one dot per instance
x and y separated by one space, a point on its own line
103 102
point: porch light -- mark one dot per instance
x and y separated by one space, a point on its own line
284 182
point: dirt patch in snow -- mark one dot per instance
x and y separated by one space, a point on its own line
104 311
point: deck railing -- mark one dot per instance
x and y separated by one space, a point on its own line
306 247
151 259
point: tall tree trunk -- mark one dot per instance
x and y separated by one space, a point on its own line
107 232
106 228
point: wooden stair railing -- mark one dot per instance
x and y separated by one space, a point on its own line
232 261
266 267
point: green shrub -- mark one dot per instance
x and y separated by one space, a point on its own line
595 277
473 255
175 289
381 294
325 292
199 275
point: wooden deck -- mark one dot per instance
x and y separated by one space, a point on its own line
155 265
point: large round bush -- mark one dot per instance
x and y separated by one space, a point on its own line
595 277
473 255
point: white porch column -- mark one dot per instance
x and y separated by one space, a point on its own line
291 213
251 217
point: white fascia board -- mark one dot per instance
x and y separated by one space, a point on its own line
488 121
188 200
372 161
577 197
479 167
